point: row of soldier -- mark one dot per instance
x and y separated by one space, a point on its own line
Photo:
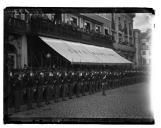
28 87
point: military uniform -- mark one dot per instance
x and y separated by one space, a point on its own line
70 84
17 92
29 89
103 83
40 88
64 85
49 83
57 86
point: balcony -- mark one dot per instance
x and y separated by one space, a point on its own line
13 25
62 30
69 32
124 47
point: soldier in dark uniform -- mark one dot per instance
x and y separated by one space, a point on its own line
53 87
103 83
75 82
86 82
82 83
57 86
91 83
40 88
107 80
70 84
99 81
30 83
64 85
49 81
17 91
10 89
78 84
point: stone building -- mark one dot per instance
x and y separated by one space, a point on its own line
23 27
122 30
138 45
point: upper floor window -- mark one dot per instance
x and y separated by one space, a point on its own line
73 21
143 52
106 31
98 28
87 26
119 24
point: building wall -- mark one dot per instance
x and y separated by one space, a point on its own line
137 42
20 43
145 52
104 18
126 50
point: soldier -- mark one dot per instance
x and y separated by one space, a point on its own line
64 85
107 80
90 83
93 82
17 91
40 88
82 83
78 85
70 84
48 87
10 89
30 84
103 83
57 86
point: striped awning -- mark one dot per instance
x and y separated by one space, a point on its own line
85 54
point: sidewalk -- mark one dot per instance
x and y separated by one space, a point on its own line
125 102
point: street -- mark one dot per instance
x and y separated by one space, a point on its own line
124 102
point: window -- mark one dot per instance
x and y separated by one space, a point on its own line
144 52
119 24
106 31
98 28
120 38
87 26
73 21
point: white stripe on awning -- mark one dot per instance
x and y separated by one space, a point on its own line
83 53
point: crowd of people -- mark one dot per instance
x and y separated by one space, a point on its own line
28 86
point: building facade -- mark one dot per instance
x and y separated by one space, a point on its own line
24 26
122 30
137 42
145 52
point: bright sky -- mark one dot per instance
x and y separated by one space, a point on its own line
143 21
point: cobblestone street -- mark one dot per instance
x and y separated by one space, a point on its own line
126 102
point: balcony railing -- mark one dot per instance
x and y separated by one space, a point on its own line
68 31
15 25
61 30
